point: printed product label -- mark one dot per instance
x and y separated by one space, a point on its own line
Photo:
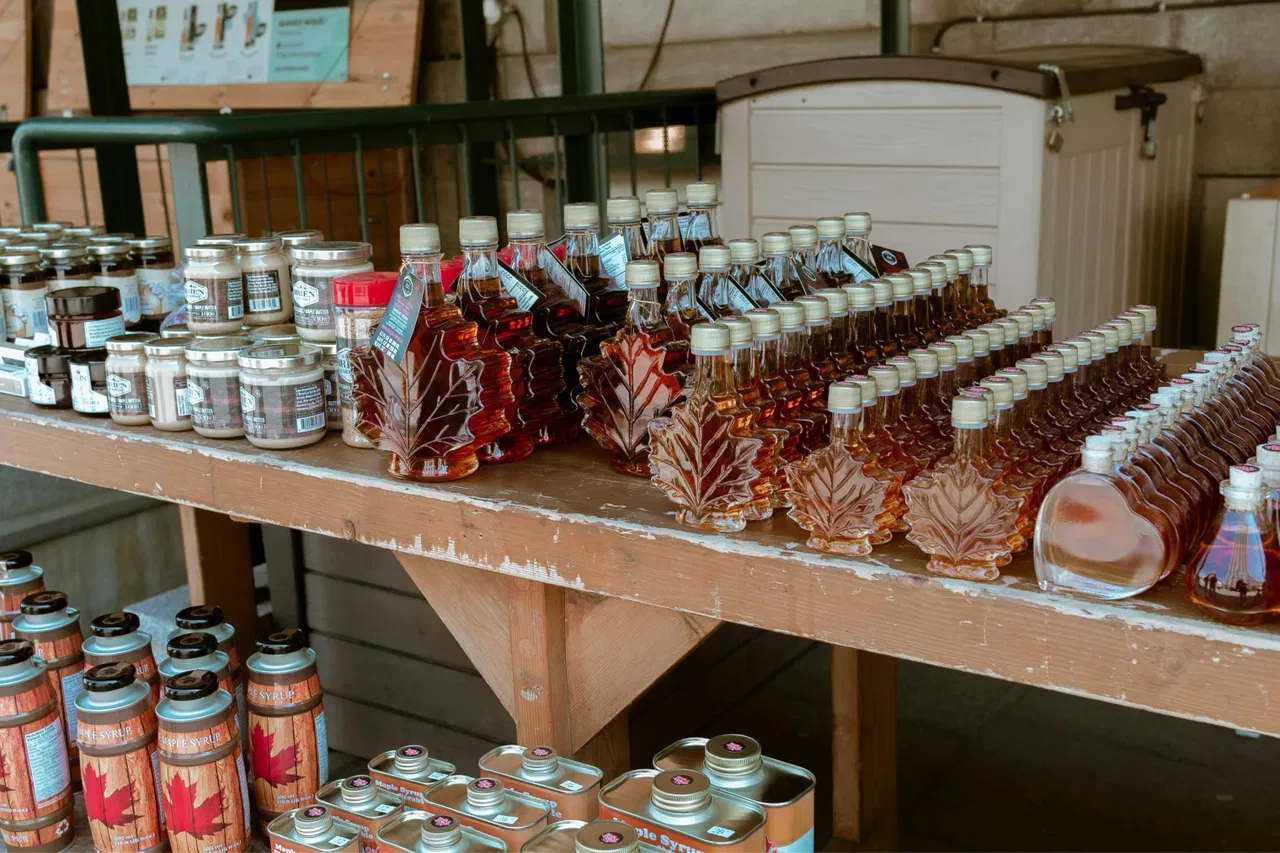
37 391
720 832
312 302
283 411
47 760
127 392
96 332
563 279
72 686
214 300
570 785
155 778
401 316
333 406
855 266
518 287
130 305
242 713
214 402
154 291
181 400
244 790
613 258
85 399
803 844
24 312
694 226
262 291
322 747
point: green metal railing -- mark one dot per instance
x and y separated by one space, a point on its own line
417 133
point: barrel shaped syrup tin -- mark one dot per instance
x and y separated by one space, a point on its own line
288 742
410 771
312 829
18 579
597 836
735 763
571 787
54 629
35 775
208 618
199 650
484 804
202 776
415 831
358 800
119 766
116 638
679 810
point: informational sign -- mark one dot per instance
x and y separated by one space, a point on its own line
310 45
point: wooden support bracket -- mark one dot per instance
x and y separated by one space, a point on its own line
220 570
864 748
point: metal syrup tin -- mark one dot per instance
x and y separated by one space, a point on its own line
53 628
358 800
202 775
199 650
37 812
410 772
419 832
735 763
679 810
116 637
571 787
485 804
312 828
597 836
18 579
208 618
116 731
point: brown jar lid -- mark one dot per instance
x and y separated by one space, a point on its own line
87 300
281 642
15 559
193 645
16 651
105 677
40 603
199 617
196 684
118 624
51 360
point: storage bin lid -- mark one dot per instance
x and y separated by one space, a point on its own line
1088 68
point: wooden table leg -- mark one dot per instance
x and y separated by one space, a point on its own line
540 681
220 570
864 748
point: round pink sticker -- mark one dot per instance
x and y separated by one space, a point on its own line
360 782
681 780
734 746
411 751
540 752
484 784
315 811
443 821
610 838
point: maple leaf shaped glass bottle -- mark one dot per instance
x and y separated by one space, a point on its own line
448 395
885 447
965 375
748 270
683 309
779 265
771 381
918 419
980 279
981 346
857 238
1234 574
921 287
883 319
862 331
904 329
956 514
838 493
707 456
995 346
537 365
716 290
950 313
829 258
662 206
838 329
763 410
701 228
817 349
1050 307
606 302
804 252
966 316
795 367
1039 333
939 322
945 387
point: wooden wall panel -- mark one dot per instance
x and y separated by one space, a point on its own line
366 730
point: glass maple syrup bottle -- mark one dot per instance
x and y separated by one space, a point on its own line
817 326
889 413
715 289
1250 396
1050 307
1268 461
857 238
966 316
950 309
771 379
838 328
703 200
1133 385
623 216
742 358
946 386
1228 436
995 346
1193 498
862 332
1022 472
1061 402
1029 443
829 258
682 307
883 317
804 252
904 329
965 375
917 418
537 365
938 318
662 206
606 302
980 280
795 366
1041 419
886 450
746 269
636 377
926 362
1204 429
1234 575
1139 466
1011 332
1026 334
981 344
1173 437
1073 387
779 265
921 287
1039 333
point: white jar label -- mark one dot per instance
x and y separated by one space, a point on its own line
96 332
83 396
195 394
37 391
304 295
47 761
246 400
214 300
24 313
130 304
118 386
262 291
127 392
196 292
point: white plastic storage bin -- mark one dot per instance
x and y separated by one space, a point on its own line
1091 209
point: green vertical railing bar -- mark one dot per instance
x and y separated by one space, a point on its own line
299 182
631 148
581 42
84 189
460 151
386 214
357 163
513 162
666 150
415 154
555 146
164 194
233 180
328 197
266 193
435 184
692 132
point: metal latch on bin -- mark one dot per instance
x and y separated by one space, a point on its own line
1147 100
1061 111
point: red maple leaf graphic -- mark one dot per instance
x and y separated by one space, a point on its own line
275 769
4 775
183 815
113 809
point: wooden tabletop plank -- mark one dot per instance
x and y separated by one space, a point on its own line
564 517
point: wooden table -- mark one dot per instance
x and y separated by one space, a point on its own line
572 589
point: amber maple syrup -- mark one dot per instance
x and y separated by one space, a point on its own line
606 301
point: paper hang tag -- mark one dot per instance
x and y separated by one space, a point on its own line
398 321
808 278
693 227
518 287
771 292
563 279
739 298
704 309
855 266
889 260
613 259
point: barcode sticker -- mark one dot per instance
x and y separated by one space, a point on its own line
264 304
721 831
311 423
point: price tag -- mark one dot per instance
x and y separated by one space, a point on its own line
855 266
738 298
889 260
518 287
613 259
563 279
396 328
694 227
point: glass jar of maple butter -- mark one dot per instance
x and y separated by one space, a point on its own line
282 396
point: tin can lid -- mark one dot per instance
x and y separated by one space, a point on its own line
117 624
484 792
109 676
16 651
279 356
84 301
196 684
313 821
40 238
733 755
540 760
195 644
40 603
333 250
412 758
84 231
15 559
358 789
440 831
680 791
275 332
109 250
606 836
300 237
150 242
281 642
199 617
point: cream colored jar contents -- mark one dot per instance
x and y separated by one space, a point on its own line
214 291
282 395
22 292
315 267
213 386
167 383
127 378
264 270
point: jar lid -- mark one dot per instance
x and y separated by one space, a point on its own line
38 237
279 356
679 264
364 289
581 214
95 360
333 250
16 651
300 237
803 236
15 559
22 247
129 341
62 251
622 208
116 624
105 677
49 226
196 644
167 347
90 299
327 348
43 603
50 359
477 231
258 244
228 239
661 201
10 230
84 231
177 330
281 642
17 257
210 252
109 250
523 223
227 348
198 617
419 237
151 241
275 333
196 684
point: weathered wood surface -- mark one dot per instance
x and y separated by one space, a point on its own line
564 518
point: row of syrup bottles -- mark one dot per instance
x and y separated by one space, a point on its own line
1187 480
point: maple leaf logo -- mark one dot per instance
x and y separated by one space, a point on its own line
623 390
110 809
961 521
274 769
833 498
699 462
4 774
183 814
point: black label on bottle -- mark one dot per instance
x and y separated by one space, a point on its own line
855 266
889 260
808 278
704 308
563 279
396 328
760 280
738 297
518 287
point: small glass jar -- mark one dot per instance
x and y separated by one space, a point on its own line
282 395
166 368
66 265
113 268
10 230
228 239
177 330
358 303
54 228
89 382
213 385
83 232
22 292
49 377
84 317
267 288
315 266
38 238
156 269
280 333
127 378
332 403
214 292
292 239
